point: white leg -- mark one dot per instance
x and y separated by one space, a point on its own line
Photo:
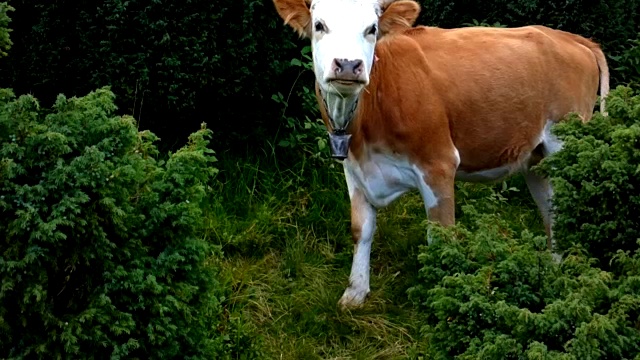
541 189
542 193
428 199
363 226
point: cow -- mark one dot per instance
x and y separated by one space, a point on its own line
417 107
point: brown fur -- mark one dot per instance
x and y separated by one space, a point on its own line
487 92
295 13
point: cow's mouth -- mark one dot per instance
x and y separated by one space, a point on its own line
346 82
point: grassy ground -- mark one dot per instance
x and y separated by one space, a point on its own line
284 230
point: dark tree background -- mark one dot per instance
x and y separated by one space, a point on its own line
176 64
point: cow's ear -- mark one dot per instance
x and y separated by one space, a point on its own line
296 14
398 15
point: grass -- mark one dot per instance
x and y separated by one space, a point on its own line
284 230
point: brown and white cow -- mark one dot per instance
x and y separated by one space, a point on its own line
419 107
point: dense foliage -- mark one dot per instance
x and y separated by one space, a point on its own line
169 62
628 63
5 41
597 195
493 293
610 22
101 251
488 293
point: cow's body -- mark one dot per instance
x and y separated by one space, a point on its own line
474 104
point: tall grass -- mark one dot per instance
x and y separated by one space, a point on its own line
284 229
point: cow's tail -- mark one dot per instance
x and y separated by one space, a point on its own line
604 77
604 71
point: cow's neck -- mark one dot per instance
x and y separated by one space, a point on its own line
340 110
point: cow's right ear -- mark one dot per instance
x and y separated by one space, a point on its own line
296 14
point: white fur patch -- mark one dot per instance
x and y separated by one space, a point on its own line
383 178
456 153
428 196
550 143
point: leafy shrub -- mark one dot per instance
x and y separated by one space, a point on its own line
490 293
5 41
308 136
100 251
596 192
629 63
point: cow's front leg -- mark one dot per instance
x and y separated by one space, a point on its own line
363 226
437 190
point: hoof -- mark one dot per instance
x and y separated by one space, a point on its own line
353 298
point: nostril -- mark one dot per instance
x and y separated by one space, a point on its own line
336 66
358 67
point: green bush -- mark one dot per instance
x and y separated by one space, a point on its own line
628 62
308 138
595 179
101 252
489 293
5 41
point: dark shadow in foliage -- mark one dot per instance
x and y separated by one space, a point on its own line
101 246
609 22
173 64
628 63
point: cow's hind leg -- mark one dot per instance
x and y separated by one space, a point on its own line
540 187
363 226
542 192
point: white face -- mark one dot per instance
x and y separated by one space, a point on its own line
343 39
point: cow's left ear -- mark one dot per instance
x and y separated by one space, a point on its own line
398 15
296 14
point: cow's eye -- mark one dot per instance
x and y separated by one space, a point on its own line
320 27
372 30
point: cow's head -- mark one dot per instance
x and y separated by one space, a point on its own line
343 36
